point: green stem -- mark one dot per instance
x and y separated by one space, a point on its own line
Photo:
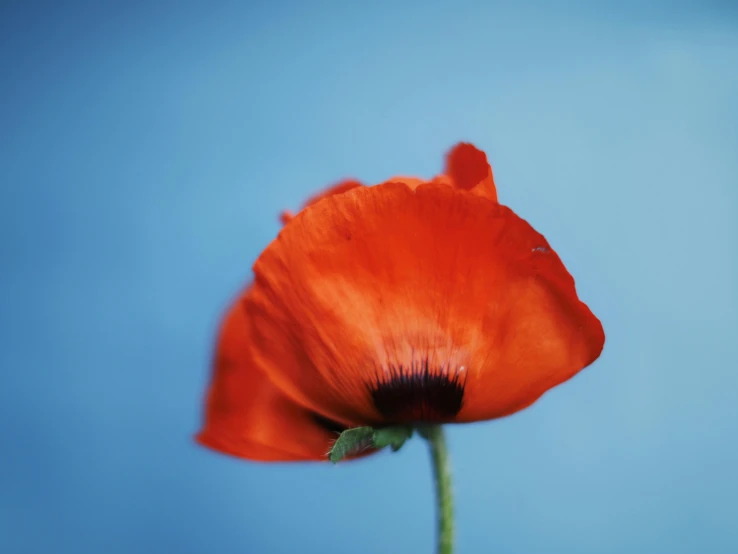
444 495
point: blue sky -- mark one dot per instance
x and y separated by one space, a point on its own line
145 152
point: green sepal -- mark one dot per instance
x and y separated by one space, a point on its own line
353 441
393 437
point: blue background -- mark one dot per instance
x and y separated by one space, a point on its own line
145 152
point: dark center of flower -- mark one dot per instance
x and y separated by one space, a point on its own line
419 393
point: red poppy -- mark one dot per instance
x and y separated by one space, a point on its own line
405 302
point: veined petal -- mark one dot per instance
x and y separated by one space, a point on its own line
247 416
466 168
394 304
339 188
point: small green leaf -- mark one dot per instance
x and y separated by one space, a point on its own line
350 442
394 437
353 441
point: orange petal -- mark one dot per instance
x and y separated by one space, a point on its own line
411 182
286 216
339 188
468 168
387 305
247 416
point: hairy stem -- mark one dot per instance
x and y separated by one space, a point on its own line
444 495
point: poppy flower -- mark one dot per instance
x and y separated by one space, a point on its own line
405 302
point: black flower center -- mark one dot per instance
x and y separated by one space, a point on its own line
419 393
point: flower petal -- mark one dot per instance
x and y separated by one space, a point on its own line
468 168
388 305
411 182
339 188
247 416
